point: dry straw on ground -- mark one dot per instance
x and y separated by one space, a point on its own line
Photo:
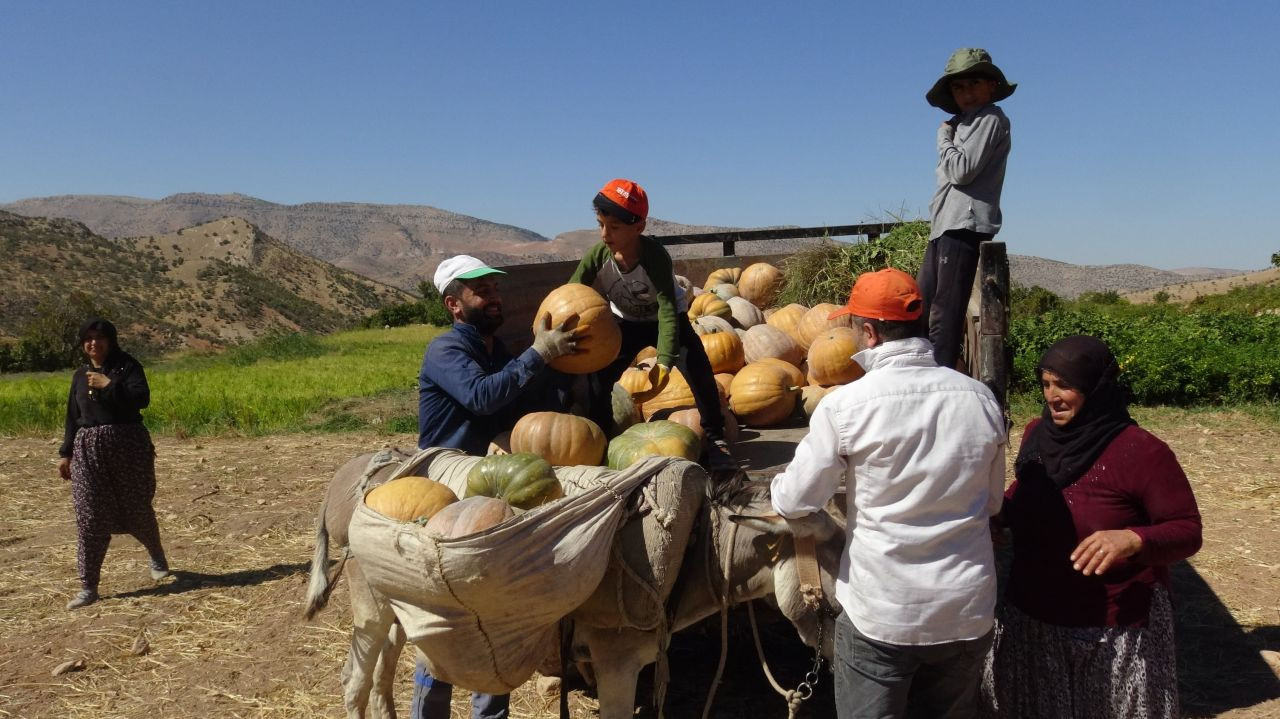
226 638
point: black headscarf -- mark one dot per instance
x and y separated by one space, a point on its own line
103 327
1066 452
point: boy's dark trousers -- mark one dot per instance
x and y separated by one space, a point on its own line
693 364
946 281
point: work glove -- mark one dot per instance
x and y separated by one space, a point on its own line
552 342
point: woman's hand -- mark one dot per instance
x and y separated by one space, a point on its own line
1101 549
64 467
97 380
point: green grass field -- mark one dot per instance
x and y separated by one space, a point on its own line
284 383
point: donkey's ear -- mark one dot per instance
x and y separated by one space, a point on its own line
818 525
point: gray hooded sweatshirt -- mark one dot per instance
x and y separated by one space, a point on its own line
971 172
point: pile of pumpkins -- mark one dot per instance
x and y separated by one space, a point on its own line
498 487
770 363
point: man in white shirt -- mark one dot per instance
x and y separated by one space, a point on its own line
920 451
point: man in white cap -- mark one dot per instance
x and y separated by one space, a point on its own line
470 389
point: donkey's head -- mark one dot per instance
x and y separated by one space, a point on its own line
772 546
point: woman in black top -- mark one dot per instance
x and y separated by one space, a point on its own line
107 455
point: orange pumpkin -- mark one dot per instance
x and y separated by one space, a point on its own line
692 418
762 394
794 374
676 393
469 516
649 352
637 381
707 304
723 380
603 340
787 319
760 284
724 275
768 341
561 439
831 358
409 499
815 322
724 351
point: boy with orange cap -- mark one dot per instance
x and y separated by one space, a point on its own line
634 273
973 148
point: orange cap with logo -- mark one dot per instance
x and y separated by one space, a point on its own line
887 294
627 195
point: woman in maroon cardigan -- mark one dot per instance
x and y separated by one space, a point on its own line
1099 509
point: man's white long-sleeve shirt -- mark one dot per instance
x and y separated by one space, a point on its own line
920 450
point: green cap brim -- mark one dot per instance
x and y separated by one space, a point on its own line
479 272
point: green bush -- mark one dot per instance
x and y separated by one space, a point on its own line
1166 355
427 311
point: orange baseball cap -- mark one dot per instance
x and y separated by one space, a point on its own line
886 294
628 196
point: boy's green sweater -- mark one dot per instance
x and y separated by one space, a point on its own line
657 264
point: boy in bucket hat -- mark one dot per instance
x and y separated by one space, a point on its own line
634 273
973 147
919 451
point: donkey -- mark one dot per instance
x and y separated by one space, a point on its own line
740 552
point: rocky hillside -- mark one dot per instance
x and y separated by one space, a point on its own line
396 244
217 282
1070 281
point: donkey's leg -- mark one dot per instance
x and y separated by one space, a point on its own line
372 624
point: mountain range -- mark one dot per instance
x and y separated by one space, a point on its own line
400 245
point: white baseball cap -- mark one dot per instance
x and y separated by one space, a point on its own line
461 267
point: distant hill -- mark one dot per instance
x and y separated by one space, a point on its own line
1071 281
396 244
207 285
1187 291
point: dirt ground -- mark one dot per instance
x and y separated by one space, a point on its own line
224 637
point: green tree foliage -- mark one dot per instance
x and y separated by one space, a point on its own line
427 311
1275 260
1031 301
1168 354
47 341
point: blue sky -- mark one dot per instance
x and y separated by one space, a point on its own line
1143 132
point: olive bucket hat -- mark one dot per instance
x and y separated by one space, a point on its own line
968 62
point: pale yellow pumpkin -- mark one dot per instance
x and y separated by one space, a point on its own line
561 439
745 314
692 418
708 323
603 340
760 284
408 499
649 352
831 358
768 341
